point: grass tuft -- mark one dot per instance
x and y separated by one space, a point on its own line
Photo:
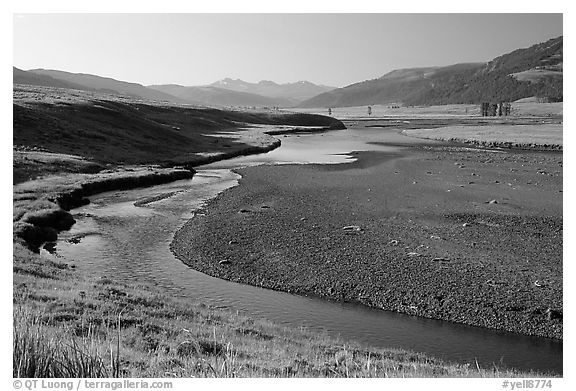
37 355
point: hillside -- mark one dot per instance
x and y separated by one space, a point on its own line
115 129
225 92
535 71
106 85
214 96
24 77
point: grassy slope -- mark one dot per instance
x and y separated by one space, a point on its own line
118 130
70 325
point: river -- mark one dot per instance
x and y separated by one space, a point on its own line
131 243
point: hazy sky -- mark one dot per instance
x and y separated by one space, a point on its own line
331 49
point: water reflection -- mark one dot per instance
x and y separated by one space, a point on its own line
131 243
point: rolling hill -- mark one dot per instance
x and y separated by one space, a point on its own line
118 129
534 71
213 96
219 94
25 77
105 85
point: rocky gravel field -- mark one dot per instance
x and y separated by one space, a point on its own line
441 231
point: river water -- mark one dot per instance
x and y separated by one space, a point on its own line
131 243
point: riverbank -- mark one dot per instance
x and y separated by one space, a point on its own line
61 131
71 144
68 324
444 232
41 207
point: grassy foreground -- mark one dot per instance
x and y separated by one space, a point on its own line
70 325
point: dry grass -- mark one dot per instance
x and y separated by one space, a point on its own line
67 325
56 355
29 164
536 75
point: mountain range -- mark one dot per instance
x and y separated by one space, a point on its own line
82 81
214 96
297 92
534 71
226 92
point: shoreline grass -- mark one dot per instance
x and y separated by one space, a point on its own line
70 325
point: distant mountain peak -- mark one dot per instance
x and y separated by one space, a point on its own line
267 83
226 80
295 92
219 95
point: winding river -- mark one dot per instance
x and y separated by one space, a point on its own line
117 238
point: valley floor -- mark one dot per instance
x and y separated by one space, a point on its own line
429 242
442 231
543 136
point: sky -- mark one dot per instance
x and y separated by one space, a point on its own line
330 49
